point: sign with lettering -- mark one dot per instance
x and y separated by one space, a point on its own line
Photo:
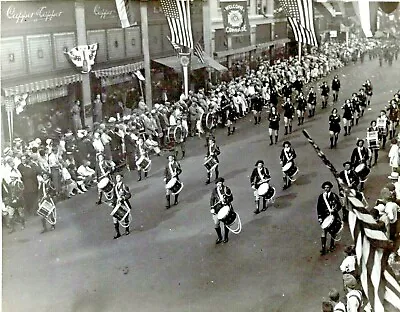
235 17
28 15
103 14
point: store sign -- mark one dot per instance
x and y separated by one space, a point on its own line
235 17
17 15
109 81
102 14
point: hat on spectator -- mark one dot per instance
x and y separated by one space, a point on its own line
394 176
17 140
112 119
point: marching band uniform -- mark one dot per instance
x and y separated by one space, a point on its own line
335 88
350 178
360 155
362 99
259 175
375 149
325 94
356 108
334 127
257 104
140 151
212 151
104 168
121 196
347 117
328 203
288 154
301 108
288 115
172 170
47 191
222 194
312 102
180 143
393 118
368 91
273 129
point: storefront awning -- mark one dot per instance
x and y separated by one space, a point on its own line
174 63
41 85
118 70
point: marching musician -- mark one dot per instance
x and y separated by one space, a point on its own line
172 170
393 117
335 88
288 115
374 148
325 94
328 204
180 143
273 128
220 196
212 151
312 102
104 169
334 127
356 108
382 123
347 117
121 197
360 155
368 91
351 179
47 191
257 105
141 151
362 99
301 108
259 176
288 154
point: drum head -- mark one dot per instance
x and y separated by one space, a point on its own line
103 183
171 183
359 168
178 134
287 166
223 212
263 189
327 222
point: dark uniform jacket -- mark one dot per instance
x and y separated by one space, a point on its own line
226 194
284 156
312 98
334 123
256 178
274 121
176 168
213 151
347 111
288 110
322 209
13 196
354 180
122 192
104 168
335 84
301 103
355 156
324 90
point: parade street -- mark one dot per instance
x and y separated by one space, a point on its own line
170 261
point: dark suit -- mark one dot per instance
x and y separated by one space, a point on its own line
356 159
352 177
122 195
255 178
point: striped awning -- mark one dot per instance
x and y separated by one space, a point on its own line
41 85
118 70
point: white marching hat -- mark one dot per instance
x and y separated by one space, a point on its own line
394 176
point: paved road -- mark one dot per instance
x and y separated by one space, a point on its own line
170 261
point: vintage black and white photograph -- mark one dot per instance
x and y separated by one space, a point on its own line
200 155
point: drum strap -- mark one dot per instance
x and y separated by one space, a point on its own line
327 202
359 153
347 178
171 170
220 196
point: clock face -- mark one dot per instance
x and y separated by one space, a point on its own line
185 60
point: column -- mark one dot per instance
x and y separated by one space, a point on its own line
86 101
146 52
270 8
229 41
253 38
207 28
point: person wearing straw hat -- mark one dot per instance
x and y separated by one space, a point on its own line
221 195
328 204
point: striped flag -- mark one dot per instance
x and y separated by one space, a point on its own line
199 52
372 247
176 47
177 13
124 13
300 14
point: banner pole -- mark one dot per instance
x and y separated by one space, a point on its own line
299 48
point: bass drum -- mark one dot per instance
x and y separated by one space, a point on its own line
230 218
266 190
290 169
333 226
175 186
207 121
363 171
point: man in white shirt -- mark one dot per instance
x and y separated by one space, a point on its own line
86 174
353 296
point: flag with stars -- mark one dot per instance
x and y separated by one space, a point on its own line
300 14
178 17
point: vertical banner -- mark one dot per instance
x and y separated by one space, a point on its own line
185 62
235 17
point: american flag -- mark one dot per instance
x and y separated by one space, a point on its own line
177 47
300 14
372 247
177 13
199 52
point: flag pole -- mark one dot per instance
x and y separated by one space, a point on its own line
299 48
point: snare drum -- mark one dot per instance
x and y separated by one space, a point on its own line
266 190
207 121
230 218
175 186
144 163
175 134
333 226
363 171
105 185
120 212
210 163
373 140
47 210
290 169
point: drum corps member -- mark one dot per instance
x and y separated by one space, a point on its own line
328 204
301 108
334 127
393 118
104 169
368 91
172 170
374 146
325 94
288 115
257 103
360 157
47 191
259 176
312 102
220 196
347 117
121 197
350 178
335 88
212 151
273 119
141 151
288 155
